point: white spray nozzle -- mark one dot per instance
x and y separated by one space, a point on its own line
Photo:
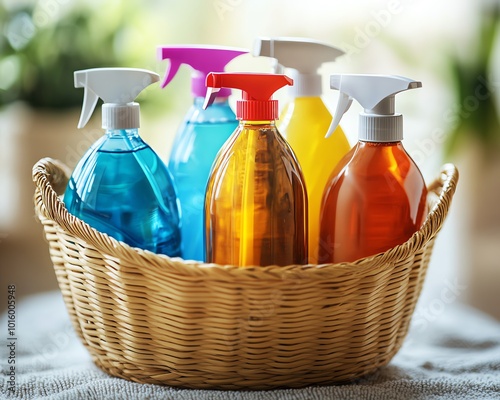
210 97
375 93
304 56
118 88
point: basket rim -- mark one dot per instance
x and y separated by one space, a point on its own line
51 176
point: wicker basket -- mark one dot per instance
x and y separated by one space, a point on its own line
153 319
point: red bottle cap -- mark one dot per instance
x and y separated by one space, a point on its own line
257 89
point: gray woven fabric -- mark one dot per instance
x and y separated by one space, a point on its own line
450 355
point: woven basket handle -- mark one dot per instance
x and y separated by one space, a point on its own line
444 187
441 192
51 177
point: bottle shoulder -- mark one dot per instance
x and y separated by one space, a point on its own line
374 158
263 140
119 141
306 109
263 135
305 121
380 166
121 168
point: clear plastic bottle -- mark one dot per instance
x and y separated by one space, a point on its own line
120 186
256 201
376 198
199 137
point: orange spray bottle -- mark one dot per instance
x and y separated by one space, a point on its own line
256 200
377 197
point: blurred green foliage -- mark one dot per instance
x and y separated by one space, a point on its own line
42 42
473 81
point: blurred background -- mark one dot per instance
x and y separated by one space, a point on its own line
452 46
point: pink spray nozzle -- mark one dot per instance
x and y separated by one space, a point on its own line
203 59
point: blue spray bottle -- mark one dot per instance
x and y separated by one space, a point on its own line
200 136
120 186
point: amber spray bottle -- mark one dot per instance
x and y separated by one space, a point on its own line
376 197
256 200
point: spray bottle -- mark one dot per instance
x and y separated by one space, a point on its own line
305 118
200 136
256 201
120 186
378 199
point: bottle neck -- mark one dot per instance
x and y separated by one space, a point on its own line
258 123
120 116
380 128
122 140
363 143
122 133
305 85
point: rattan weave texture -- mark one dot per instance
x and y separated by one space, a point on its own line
153 319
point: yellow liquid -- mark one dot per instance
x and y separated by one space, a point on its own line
256 201
304 123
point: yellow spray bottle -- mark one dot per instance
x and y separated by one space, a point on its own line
305 119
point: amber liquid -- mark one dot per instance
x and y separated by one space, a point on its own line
374 201
256 201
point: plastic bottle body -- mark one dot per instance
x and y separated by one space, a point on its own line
377 201
122 188
256 201
304 123
197 143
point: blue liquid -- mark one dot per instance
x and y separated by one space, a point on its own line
197 142
122 188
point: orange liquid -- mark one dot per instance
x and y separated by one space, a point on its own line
373 202
256 201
